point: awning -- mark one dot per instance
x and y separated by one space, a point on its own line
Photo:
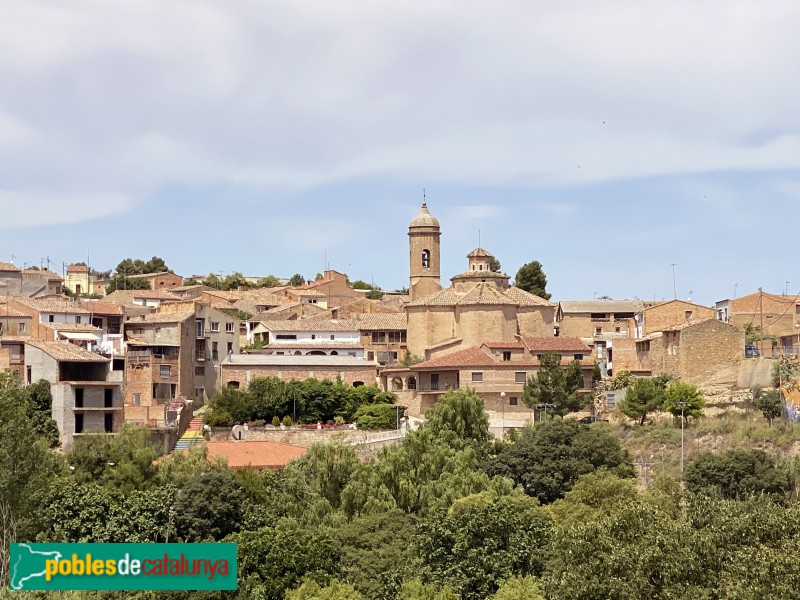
90 337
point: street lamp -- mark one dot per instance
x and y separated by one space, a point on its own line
503 413
683 406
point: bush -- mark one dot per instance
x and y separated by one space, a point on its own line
218 418
276 421
287 421
376 416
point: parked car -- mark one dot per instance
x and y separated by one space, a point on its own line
592 419
751 351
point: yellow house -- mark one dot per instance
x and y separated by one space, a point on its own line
79 280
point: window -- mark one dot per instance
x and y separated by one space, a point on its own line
230 348
393 355
378 337
578 356
214 325
611 400
313 336
370 355
51 318
214 351
165 370
286 336
199 371
233 385
506 354
434 381
108 422
687 315
412 383
512 400
396 337
520 376
79 423
78 397
616 330
137 399
228 327
358 383
199 393
108 397
426 259
477 376
78 319
598 330
333 337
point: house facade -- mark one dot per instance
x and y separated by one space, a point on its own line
239 370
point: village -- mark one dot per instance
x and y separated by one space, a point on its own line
155 354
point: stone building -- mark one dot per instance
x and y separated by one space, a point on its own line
479 305
31 283
160 281
773 314
239 370
658 316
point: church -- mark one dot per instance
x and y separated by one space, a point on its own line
479 306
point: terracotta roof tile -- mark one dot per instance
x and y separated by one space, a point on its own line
479 253
601 306
556 344
5 266
254 454
379 321
53 305
311 325
503 345
66 352
469 357
482 293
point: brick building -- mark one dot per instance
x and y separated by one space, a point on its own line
661 315
693 351
383 336
159 281
239 370
773 314
490 369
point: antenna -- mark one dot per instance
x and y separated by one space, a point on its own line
479 238
674 289
424 200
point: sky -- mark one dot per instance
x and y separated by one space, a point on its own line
608 139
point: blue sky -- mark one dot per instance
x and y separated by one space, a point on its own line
606 140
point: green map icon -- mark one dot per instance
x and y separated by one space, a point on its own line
28 564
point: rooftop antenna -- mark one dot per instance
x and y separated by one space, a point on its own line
479 238
674 289
424 200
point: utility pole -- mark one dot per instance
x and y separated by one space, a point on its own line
761 309
674 288
683 406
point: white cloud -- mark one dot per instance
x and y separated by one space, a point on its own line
32 209
478 211
131 95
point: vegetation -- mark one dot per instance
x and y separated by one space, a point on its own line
555 385
769 403
684 399
643 397
127 267
297 279
531 278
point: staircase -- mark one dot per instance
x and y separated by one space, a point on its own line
192 436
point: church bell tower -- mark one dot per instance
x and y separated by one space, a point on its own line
423 246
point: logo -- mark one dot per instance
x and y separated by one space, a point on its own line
123 567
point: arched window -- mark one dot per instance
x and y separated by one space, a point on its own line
334 353
412 383
397 384
358 383
426 259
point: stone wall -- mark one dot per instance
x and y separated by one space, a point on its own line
669 314
243 373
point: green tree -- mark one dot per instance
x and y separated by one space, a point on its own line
592 496
377 416
41 410
684 399
460 412
336 590
736 473
494 265
416 590
622 379
297 279
276 559
234 281
517 588
769 403
358 284
378 552
374 294
482 540
209 507
548 459
643 397
129 266
531 278
268 281
554 384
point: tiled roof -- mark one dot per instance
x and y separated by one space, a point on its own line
77 269
479 253
231 296
379 321
424 218
311 325
52 305
601 306
311 344
149 275
469 357
556 344
761 301
482 294
276 360
479 275
692 323
10 312
128 295
4 266
98 307
66 352
255 454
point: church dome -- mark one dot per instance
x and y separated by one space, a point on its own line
424 218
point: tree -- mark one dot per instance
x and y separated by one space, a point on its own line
554 384
593 495
296 279
548 459
621 379
482 540
377 416
41 410
374 294
416 590
275 559
378 552
684 399
359 284
735 474
120 279
769 403
460 412
642 398
268 281
494 265
336 590
209 507
531 278
517 588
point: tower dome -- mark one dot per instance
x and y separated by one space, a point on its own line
424 218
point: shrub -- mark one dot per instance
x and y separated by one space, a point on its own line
287 421
376 416
219 418
276 421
